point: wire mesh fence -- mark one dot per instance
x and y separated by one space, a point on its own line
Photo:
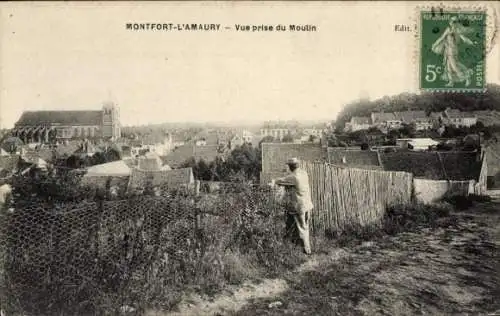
73 252
93 257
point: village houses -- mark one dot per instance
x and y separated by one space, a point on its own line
159 144
358 123
393 120
275 132
316 132
457 118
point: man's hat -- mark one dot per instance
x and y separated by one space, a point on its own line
292 161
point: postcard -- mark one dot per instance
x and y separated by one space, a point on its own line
249 158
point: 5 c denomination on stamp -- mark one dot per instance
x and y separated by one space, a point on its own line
452 50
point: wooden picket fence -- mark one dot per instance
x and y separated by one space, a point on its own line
346 197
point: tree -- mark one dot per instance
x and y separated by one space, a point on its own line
312 138
408 131
331 139
266 139
244 161
365 146
393 134
373 130
287 138
112 154
98 158
479 125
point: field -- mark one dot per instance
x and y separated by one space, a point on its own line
447 264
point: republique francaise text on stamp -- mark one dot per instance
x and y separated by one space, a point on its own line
452 50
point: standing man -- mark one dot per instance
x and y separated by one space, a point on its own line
300 205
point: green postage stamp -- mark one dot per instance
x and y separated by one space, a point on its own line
452 50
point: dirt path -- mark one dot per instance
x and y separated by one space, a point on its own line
235 298
452 270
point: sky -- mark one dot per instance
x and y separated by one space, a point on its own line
75 56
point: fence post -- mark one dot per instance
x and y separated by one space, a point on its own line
197 185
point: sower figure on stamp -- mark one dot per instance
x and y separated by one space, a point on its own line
448 46
299 204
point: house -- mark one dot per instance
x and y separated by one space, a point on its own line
116 168
160 144
247 136
317 133
305 137
50 126
275 132
178 143
201 142
492 152
115 174
362 159
207 137
418 118
358 123
385 121
458 118
416 143
150 162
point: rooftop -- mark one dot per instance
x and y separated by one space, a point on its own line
32 118
182 153
411 116
457 166
380 117
354 158
360 120
454 113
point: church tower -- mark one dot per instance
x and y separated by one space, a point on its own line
111 121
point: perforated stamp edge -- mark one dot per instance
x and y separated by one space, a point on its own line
491 36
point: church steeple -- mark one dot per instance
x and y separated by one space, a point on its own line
111 120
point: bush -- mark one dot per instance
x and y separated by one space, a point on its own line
465 202
401 218
82 255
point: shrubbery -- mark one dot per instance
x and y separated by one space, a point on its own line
70 252
464 202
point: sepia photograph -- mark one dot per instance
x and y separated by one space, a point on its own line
249 158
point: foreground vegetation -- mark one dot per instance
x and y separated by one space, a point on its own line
66 250
433 260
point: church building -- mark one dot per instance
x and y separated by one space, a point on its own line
53 126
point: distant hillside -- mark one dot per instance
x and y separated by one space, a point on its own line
429 102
